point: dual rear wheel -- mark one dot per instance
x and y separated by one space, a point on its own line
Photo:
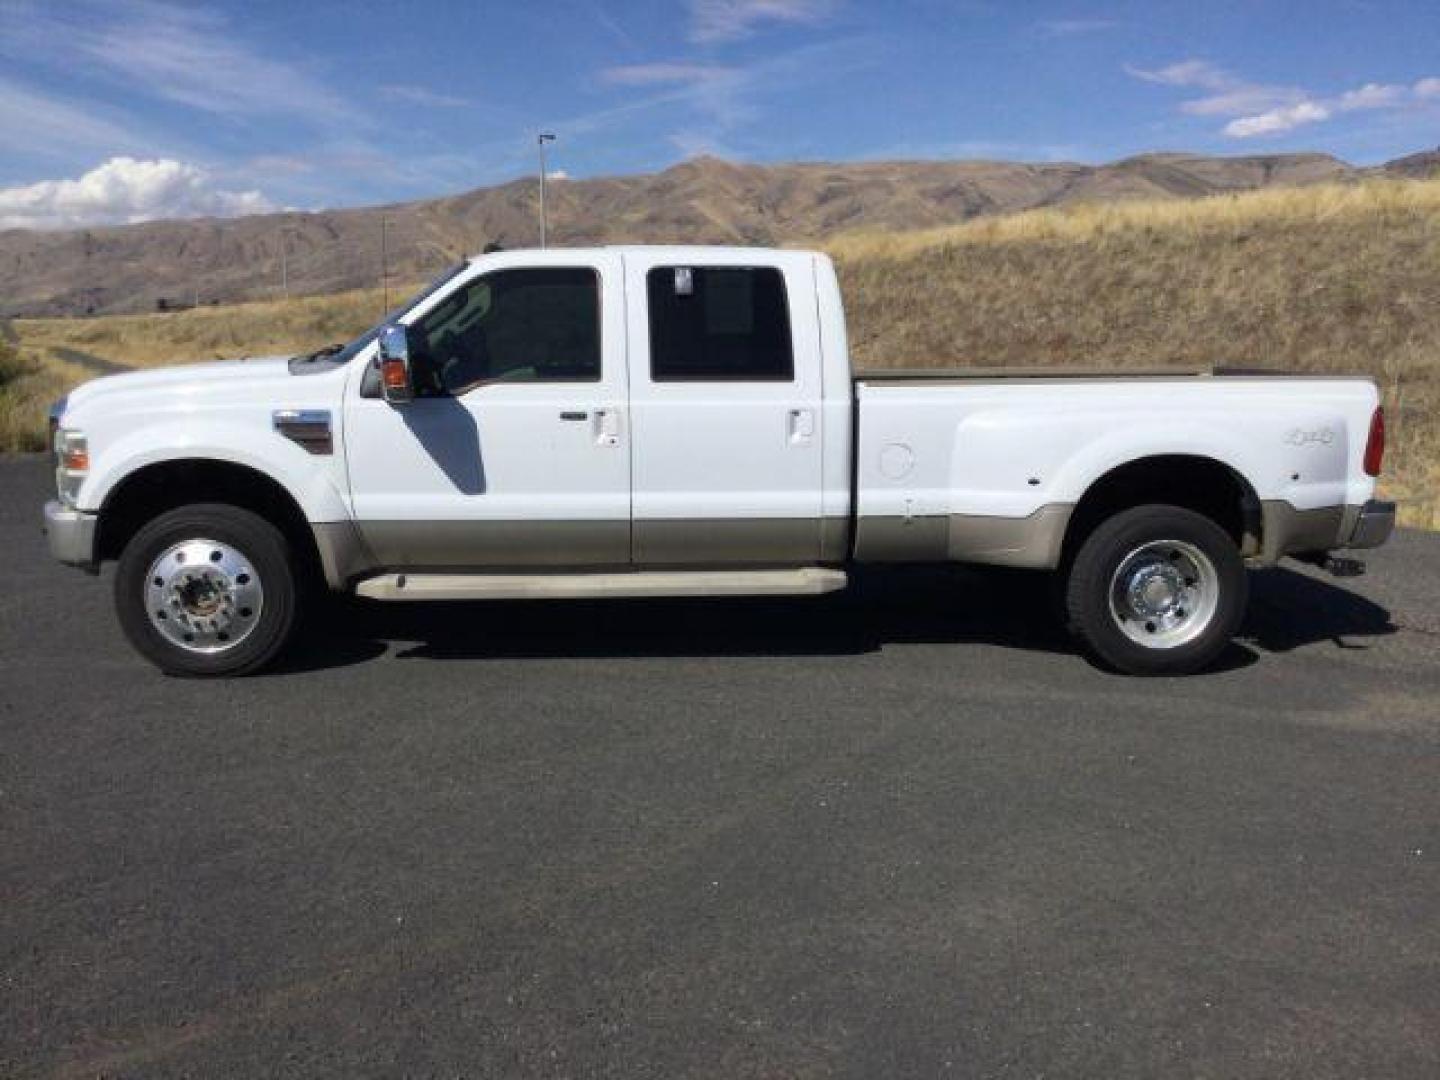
1157 590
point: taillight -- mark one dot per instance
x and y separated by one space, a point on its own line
1375 444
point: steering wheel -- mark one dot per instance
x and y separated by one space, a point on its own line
462 357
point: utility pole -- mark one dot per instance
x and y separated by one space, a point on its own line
284 268
384 265
541 140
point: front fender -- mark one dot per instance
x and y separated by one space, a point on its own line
309 478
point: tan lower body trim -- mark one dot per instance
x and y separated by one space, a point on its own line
722 541
343 554
500 544
1287 531
348 551
1034 541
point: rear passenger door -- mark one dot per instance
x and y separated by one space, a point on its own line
725 412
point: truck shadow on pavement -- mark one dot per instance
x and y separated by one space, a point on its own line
897 605
1289 610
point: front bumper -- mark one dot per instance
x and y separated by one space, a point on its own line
71 534
1373 525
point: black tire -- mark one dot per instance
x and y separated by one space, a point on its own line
1088 591
266 554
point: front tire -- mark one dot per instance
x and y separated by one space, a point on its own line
1157 590
208 589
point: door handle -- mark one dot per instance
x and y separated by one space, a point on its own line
802 426
574 415
607 427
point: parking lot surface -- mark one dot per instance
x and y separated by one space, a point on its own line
906 831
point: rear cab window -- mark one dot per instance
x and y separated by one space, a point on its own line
719 324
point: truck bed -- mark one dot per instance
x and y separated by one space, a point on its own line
987 465
932 376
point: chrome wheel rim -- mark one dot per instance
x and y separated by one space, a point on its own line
1164 594
203 596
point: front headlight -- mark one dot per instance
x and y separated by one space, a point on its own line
72 464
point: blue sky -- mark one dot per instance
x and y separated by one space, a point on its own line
114 111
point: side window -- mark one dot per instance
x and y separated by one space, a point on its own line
524 325
719 323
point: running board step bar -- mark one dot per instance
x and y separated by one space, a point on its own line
807 581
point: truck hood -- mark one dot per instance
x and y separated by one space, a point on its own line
183 380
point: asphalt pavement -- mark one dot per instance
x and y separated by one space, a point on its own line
905 831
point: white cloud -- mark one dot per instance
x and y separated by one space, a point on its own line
1075 27
1256 109
1243 100
1277 120
1200 73
714 91
660 74
614 28
124 190
422 96
180 53
712 108
39 123
977 150
196 59
1371 96
694 144
714 21
1229 95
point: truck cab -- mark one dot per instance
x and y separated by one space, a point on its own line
659 408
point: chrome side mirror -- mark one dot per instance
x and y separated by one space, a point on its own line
394 361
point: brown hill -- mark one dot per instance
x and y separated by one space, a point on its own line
1421 166
701 201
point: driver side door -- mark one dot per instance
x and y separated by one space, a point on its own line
515 450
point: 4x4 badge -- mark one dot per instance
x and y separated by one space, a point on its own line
1300 437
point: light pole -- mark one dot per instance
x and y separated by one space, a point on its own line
541 140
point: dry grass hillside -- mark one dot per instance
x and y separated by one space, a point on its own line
1342 277
706 200
1336 278
261 328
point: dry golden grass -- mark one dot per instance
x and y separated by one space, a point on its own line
29 382
253 329
1290 208
1328 278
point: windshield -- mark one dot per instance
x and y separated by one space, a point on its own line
345 353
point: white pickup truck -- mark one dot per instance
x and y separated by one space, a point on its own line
652 421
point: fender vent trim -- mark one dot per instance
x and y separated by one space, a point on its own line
310 428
